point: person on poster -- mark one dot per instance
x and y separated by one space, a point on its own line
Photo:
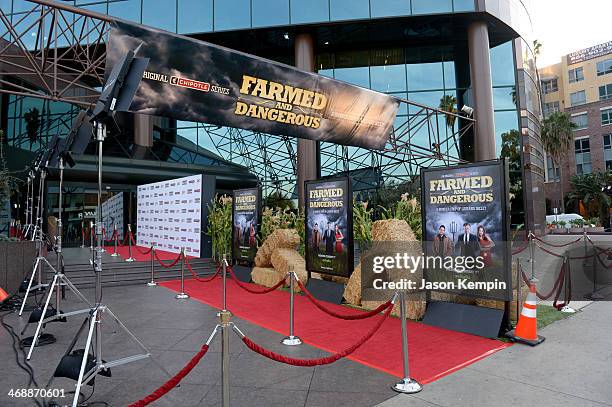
252 236
442 245
468 243
330 238
316 238
339 236
245 234
486 244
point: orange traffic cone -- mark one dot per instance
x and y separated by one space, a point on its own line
526 330
3 294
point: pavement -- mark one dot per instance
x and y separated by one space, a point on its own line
571 368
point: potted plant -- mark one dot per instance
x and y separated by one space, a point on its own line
594 225
561 226
577 225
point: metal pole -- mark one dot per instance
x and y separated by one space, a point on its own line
82 234
407 385
585 260
130 243
182 295
91 235
58 240
115 254
152 283
519 300
41 201
532 254
224 282
291 340
225 323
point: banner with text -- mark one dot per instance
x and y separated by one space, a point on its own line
245 220
329 227
465 225
188 79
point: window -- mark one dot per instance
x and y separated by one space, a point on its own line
604 67
194 16
263 15
605 92
582 149
576 75
580 120
386 8
607 142
551 107
232 14
159 14
578 98
552 173
550 85
606 116
349 9
309 11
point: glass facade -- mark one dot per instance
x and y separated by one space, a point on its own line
421 74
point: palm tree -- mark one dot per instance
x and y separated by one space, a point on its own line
448 103
557 138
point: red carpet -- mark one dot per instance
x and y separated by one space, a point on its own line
137 251
434 352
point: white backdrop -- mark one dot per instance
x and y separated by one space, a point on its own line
112 213
169 215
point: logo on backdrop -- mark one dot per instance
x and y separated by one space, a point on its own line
169 215
329 227
248 92
112 215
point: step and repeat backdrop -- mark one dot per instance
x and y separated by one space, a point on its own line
169 215
112 214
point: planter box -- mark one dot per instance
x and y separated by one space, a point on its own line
16 261
596 229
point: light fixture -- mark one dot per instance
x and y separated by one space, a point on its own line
467 111
286 36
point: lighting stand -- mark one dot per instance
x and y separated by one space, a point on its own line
59 279
28 212
37 234
91 366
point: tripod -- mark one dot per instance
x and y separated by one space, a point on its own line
93 365
59 279
38 234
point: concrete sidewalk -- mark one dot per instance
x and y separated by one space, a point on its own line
573 367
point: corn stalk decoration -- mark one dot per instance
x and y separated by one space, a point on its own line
408 209
220 226
362 224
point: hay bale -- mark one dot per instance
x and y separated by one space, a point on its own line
265 276
352 291
283 259
392 230
382 230
280 238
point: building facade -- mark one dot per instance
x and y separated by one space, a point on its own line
581 85
474 51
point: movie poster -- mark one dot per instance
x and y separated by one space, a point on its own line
245 221
188 79
329 227
465 216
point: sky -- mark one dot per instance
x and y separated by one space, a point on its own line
565 26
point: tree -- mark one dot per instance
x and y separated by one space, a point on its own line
448 103
557 138
278 200
589 188
32 119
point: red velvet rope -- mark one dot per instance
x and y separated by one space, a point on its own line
202 280
249 289
170 384
364 315
555 286
557 245
164 265
320 361
549 252
569 292
140 251
520 249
